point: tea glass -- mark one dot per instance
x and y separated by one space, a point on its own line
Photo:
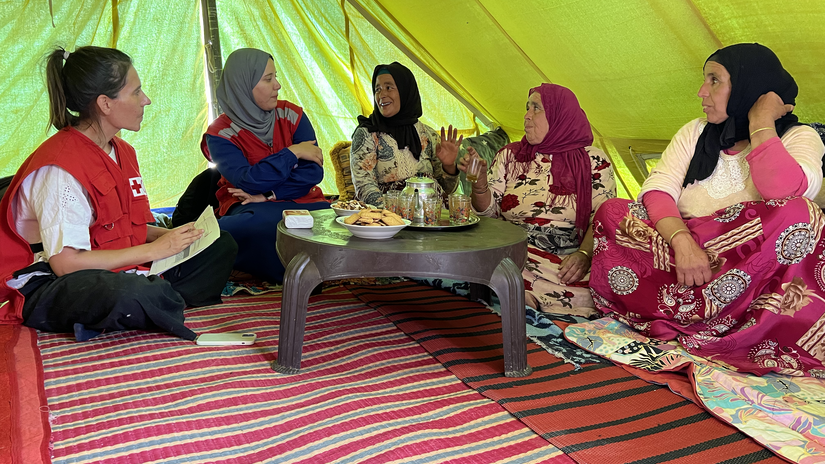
391 200
473 169
432 210
406 205
460 209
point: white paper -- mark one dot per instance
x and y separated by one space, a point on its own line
211 232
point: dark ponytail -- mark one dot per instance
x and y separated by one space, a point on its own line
59 116
76 80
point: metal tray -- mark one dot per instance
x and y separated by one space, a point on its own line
444 224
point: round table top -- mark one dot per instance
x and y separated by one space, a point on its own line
488 234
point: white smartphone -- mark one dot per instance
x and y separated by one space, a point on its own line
228 338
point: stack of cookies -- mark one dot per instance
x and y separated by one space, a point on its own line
374 218
350 205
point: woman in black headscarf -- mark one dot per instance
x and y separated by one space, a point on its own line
724 251
392 145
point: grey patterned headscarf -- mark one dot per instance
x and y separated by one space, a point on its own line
241 73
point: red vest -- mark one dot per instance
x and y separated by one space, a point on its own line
254 149
118 198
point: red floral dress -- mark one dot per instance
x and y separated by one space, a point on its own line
764 309
525 199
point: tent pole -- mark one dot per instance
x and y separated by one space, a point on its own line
212 49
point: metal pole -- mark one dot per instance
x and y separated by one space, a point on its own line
212 48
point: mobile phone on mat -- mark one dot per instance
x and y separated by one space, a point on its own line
228 338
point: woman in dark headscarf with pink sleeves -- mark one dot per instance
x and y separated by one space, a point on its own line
550 183
724 250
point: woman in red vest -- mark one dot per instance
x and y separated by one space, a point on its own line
73 230
266 153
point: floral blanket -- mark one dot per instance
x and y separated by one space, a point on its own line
783 413
251 287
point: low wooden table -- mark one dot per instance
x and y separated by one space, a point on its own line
491 253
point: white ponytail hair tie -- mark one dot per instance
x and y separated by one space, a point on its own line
65 55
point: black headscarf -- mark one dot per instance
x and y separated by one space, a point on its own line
400 127
754 71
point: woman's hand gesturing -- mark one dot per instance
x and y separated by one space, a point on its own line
447 149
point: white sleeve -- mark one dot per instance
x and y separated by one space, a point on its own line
805 146
53 208
670 171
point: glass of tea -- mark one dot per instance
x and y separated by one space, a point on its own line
391 200
460 209
474 168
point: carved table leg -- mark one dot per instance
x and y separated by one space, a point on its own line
507 282
300 279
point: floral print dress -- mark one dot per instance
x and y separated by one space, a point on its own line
379 165
764 308
526 200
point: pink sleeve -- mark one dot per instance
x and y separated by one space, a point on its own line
659 205
775 173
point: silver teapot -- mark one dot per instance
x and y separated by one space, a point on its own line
420 188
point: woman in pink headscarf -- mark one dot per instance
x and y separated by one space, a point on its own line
550 183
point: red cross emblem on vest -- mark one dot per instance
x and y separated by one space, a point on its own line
136 184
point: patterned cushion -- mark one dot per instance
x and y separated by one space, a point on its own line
343 175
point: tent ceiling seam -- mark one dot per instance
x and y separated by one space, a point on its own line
357 89
51 13
115 24
477 110
705 24
525 55
513 42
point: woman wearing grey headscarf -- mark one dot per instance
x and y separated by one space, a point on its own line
266 153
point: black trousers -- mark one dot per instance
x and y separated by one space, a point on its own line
106 301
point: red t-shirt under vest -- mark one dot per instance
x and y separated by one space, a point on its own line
118 197
254 149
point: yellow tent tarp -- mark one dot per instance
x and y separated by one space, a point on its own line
635 65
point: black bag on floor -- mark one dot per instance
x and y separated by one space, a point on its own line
199 194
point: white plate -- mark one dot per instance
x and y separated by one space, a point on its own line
372 232
349 212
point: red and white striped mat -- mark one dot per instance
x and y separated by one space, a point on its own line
366 393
